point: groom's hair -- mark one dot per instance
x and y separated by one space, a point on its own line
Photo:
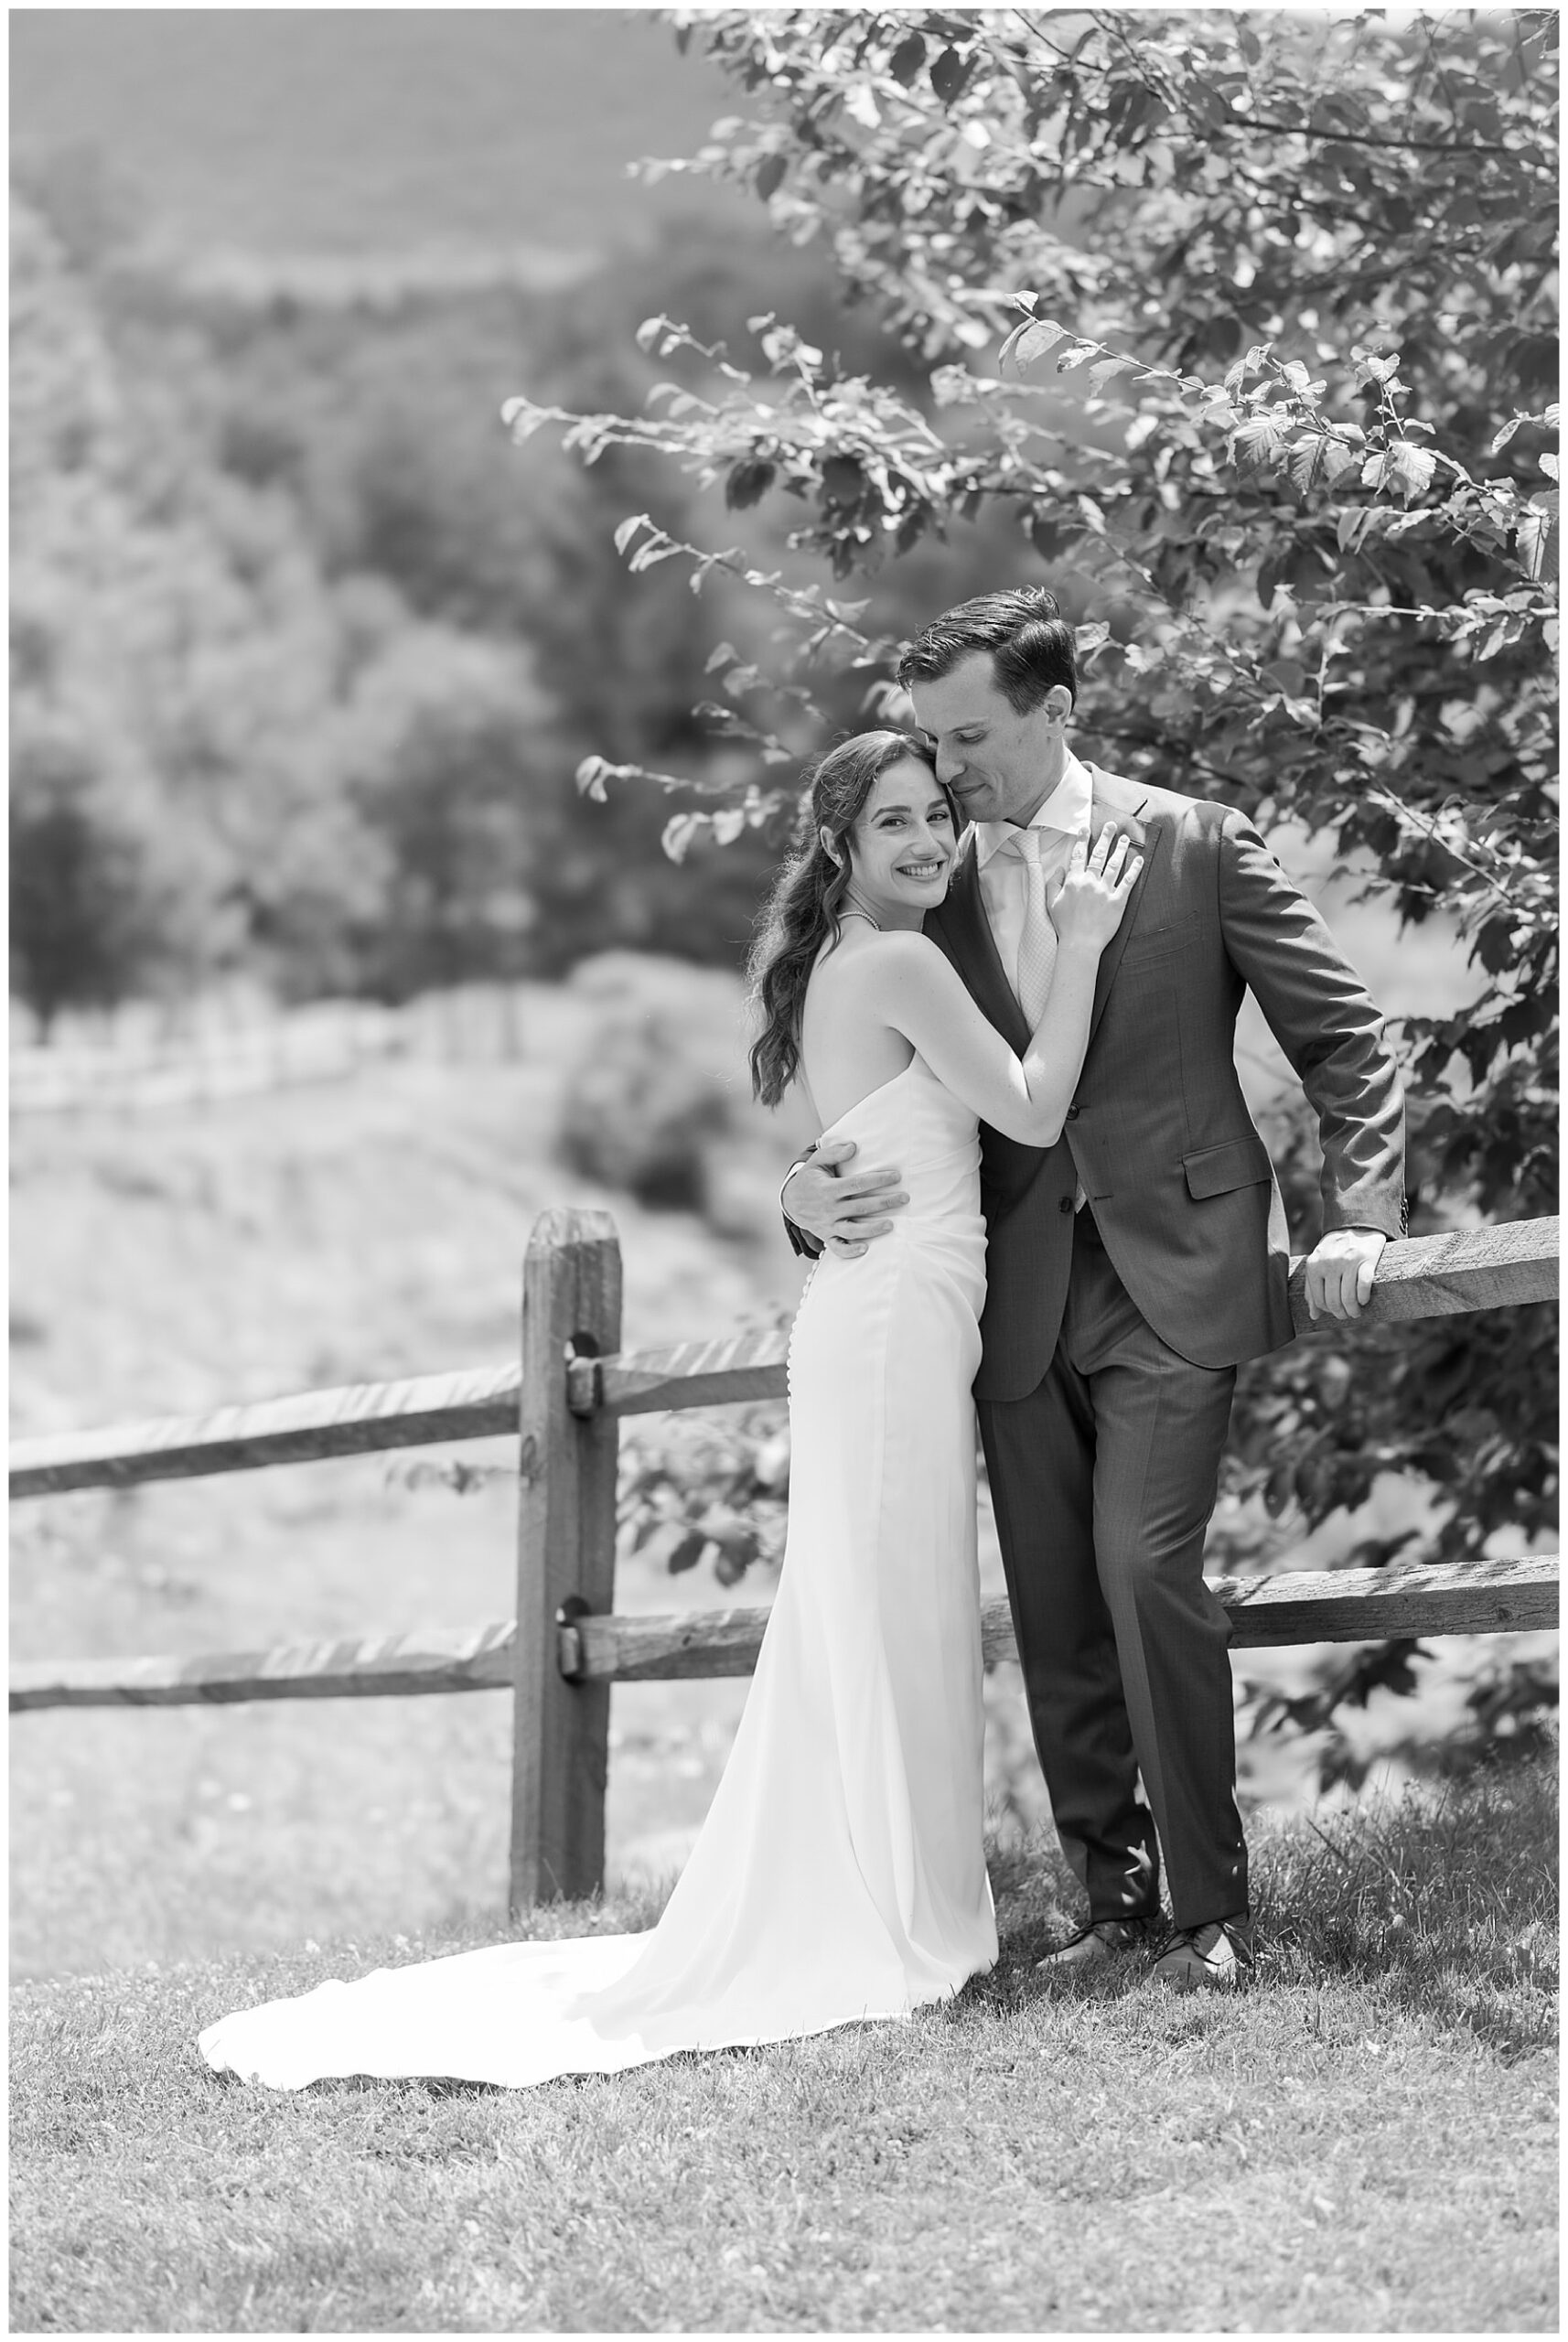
1032 647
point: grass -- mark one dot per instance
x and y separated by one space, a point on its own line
1363 2140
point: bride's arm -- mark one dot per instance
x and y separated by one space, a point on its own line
920 994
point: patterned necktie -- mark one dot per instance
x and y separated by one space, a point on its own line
1037 943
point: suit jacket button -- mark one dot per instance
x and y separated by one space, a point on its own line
1066 1204
1072 1113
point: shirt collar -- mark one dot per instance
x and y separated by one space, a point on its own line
1068 808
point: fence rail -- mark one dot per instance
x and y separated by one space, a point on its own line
360 1419
564 1647
1424 1276
1489 1596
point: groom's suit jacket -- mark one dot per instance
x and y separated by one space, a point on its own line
1158 1134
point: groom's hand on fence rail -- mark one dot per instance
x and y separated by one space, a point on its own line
1501 1267
843 1212
1340 1272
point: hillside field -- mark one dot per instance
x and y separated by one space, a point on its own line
342 134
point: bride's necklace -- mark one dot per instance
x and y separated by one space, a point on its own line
852 912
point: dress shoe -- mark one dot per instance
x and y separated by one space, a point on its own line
1102 1939
1211 1958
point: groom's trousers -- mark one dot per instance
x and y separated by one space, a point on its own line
1103 1480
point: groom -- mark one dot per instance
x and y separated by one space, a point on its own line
1132 1266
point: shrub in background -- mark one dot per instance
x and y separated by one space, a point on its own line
659 1087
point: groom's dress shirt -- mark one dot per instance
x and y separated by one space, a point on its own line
1062 820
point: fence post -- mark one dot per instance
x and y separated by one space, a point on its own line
565 1554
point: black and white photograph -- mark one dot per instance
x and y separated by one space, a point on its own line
784 1151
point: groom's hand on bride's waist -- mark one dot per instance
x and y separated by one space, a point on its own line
844 1210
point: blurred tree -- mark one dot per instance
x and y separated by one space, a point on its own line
105 897
446 745
92 911
1294 279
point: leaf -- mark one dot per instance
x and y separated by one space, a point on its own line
1033 340
949 75
1305 460
771 176
1410 468
1257 441
522 419
647 555
1252 47
737 1550
628 528
720 656
590 779
685 1551
843 482
1078 354
1051 536
907 58
1106 371
1535 525
748 483
678 834
771 1465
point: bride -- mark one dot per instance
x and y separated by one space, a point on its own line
840 1875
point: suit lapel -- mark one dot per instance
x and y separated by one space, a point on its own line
962 930
1122 803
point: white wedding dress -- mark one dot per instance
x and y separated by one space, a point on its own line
840 1875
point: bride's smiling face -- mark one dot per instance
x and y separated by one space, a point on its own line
902 844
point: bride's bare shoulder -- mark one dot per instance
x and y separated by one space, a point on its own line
904 955
878 960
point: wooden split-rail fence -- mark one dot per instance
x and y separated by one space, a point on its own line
563 1402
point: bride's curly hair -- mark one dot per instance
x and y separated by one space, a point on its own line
806 904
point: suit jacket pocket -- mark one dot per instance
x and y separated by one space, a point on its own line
1217 1170
1147 945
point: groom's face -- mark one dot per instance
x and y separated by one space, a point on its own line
999 765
